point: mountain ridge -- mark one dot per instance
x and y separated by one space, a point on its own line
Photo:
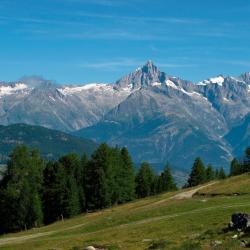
148 110
51 143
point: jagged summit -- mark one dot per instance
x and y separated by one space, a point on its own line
146 75
149 67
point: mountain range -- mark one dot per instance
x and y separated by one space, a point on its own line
159 117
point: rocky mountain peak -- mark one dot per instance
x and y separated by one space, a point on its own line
146 75
149 68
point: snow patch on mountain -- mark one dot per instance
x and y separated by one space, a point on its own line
194 94
69 90
171 84
12 89
215 80
156 84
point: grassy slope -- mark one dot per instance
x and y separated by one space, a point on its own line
165 222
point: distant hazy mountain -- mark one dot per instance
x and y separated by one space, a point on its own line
159 117
239 136
51 143
39 102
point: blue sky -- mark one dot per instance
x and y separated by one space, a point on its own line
77 41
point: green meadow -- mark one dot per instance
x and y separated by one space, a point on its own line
160 222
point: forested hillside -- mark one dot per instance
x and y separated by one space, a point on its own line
51 143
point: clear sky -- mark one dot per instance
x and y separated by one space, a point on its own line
77 41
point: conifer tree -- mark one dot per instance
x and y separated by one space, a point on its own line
81 181
53 192
217 173
71 203
235 167
99 179
72 167
166 180
222 174
145 181
246 161
126 180
198 173
210 174
20 203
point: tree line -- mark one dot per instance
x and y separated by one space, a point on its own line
34 192
201 174
240 166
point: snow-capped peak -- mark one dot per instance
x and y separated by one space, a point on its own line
215 80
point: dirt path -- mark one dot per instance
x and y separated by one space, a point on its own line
189 194
19 239
183 195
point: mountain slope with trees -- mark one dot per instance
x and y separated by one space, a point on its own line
34 191
51 143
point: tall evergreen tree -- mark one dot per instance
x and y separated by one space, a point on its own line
100 179
222 174
20 203
246 161
166 180
145 181
53 191
235 168
73 187
210 174
198 173
81 181
71 204
126 180
216 173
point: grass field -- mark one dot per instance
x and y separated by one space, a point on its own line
160 222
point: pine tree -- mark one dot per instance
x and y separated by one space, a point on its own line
53 191
100 179
81 181
71 203
198 174
96 187
246 161
235 168
222 174
216 174
72 167
126 180
20 191
166 180
145 181
210 174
